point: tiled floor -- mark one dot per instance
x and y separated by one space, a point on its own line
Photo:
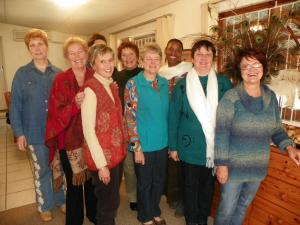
16 183
16 179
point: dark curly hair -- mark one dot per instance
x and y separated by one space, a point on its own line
233 68
128 44
94 37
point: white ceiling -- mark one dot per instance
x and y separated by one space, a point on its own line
93 16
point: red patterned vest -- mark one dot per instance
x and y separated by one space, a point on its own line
109 126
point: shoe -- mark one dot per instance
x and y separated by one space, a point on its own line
63 208
133 206
152 223
159 222
179 211
46 216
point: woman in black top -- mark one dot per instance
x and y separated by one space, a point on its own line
128 54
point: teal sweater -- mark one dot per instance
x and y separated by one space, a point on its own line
185 131
245 126
152 113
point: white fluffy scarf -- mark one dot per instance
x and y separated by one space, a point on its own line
204 108
175 71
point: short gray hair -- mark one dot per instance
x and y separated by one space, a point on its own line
151 47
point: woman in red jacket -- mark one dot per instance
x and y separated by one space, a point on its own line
64 133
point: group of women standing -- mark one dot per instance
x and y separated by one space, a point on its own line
169 111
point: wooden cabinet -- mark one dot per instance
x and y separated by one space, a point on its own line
277 201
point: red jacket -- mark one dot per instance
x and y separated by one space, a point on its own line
64 118
109 126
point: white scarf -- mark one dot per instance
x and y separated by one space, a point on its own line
175 71
205 108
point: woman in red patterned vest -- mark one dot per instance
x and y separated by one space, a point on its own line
104 133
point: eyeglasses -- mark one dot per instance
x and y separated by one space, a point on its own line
156 60
251 66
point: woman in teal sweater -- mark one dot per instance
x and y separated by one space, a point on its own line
146 112
191 130
247 119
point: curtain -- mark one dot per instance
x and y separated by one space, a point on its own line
164 30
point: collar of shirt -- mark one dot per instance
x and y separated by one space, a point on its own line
49 66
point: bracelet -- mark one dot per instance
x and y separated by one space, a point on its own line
136 146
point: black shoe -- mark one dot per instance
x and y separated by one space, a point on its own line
133 206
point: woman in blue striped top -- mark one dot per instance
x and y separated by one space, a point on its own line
247 119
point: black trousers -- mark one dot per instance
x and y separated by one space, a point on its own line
76 196
198 192
108 196
174 182
150 184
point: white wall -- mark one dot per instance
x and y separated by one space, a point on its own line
190 17
187 17
16 54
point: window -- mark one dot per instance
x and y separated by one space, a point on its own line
260 25
142 40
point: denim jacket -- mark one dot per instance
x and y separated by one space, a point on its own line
29 101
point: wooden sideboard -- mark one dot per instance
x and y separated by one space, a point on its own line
278 199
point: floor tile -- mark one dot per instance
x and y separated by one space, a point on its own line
16 161
19 175
16 154
2 158
2 177
2 188
20 185
2 169
20 198
2 203
2 162
24 165
11 147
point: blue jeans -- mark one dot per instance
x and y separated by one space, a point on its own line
235 199
46 198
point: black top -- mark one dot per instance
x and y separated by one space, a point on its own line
121 78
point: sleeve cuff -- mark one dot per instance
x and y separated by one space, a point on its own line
18 133
284 144
219 162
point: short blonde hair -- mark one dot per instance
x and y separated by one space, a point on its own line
74 40
35 33
98 50
151 47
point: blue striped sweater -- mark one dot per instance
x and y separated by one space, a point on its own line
245 126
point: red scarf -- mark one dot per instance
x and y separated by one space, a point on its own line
63 115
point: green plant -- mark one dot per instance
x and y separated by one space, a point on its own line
271 37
